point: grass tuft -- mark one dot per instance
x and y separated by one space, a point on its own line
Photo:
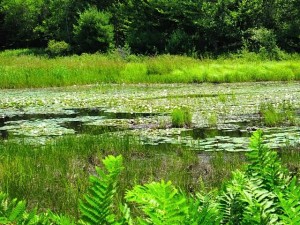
181 117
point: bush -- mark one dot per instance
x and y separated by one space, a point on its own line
94 32
265 43
57 48
179 42
181 117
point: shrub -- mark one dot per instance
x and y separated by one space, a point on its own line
57 48
181 117
93 32
265 42
179 42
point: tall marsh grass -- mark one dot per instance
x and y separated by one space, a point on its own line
22 68
56 175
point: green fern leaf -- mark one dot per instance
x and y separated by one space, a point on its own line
96 208
161 203
17 211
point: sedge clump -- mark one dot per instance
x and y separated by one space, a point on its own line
181 117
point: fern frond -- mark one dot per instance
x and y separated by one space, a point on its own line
96 208
265 164
14 212
126 215
290 203
203 209
161 203
17 211
260 207
11 210
50 218
230 204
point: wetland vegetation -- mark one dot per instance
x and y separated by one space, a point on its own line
104 103
52 138
22 69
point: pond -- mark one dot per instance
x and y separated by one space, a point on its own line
224 115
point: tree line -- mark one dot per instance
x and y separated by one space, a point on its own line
151 26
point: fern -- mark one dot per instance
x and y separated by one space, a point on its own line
249 198
264 194
260 204
97 206
230 205
265 164
14 212
161 203
50 218
203 209
290 203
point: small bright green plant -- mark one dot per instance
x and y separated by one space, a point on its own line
181 117
57 48
277 115
212 120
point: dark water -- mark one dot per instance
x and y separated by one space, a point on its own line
202 133
73 113
110 115
81 128
3 134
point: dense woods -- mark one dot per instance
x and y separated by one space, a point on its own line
194 27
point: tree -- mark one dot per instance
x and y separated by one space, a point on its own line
19 18
93 31
288 24
57 18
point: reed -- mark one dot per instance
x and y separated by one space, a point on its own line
23 68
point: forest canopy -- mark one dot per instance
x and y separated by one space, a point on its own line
151 26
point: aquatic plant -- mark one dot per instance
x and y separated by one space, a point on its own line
275 115
181 117
212 119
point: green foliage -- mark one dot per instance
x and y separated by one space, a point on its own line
57 19
157 26
14 212
266 43
274 115
179 42
181 117
161 203
22 68
96 208
265 164
263 194
19 20
93 31
289 203
57 48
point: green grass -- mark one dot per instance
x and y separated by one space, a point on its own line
56 175
277 115
181 117
23 68
60 169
